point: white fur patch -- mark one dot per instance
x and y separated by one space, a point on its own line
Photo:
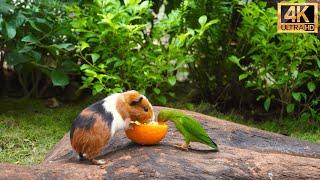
153 119
101 162
110 105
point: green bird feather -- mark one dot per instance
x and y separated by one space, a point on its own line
190 128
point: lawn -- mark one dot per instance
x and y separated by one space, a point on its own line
28 129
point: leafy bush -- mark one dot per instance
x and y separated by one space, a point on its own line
210 73
123 46
283 68
35 36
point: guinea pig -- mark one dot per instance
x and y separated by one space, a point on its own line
93 128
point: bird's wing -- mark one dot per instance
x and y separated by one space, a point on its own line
194 128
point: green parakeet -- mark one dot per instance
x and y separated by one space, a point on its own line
190 128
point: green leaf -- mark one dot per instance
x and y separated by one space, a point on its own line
15 58
305 116
59 78
25 49
36 56
266 103
1 21
18 20
94 57
318 63
262 27
5 7
214 21
118 63
262 4
85 66
156 90
259 97
66 46
162 100
84 45
98 88
304 95
311 86
172 80
131 2
296 96
117 90
90 72
30 38
202 20
34 26
235 60
243 76
11 30
144 5
290 108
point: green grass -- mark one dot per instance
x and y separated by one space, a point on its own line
28 130
288 126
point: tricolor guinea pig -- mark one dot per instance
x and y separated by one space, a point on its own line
93 128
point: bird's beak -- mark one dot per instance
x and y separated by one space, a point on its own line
162 120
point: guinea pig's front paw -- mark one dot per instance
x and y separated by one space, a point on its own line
135 122
98 162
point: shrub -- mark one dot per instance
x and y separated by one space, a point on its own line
283 68
123 46
210 73
35 37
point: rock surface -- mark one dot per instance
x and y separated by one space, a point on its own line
245 153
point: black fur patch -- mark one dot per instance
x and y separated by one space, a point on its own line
88 122
82 122
106 115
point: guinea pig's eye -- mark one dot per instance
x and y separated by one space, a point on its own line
145 109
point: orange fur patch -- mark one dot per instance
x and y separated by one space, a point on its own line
86 112
91 141
135 112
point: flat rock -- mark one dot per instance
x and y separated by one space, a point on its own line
244 153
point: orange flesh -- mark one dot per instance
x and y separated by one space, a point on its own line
147 134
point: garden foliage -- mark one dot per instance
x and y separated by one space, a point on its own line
35 37
283 68
127 46
120 46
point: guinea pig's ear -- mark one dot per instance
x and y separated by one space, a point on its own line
135 102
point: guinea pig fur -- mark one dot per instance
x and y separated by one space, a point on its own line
93 128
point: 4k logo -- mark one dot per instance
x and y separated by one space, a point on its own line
298 17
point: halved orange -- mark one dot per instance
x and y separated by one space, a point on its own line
147 134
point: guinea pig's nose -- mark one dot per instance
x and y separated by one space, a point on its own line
145 109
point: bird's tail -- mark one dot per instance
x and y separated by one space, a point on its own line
213 145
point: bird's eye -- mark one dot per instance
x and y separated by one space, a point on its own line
145 109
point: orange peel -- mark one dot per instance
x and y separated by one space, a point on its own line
147 134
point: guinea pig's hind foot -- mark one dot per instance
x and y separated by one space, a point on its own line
81 157
98 162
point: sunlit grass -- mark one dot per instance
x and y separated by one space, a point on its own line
28 130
